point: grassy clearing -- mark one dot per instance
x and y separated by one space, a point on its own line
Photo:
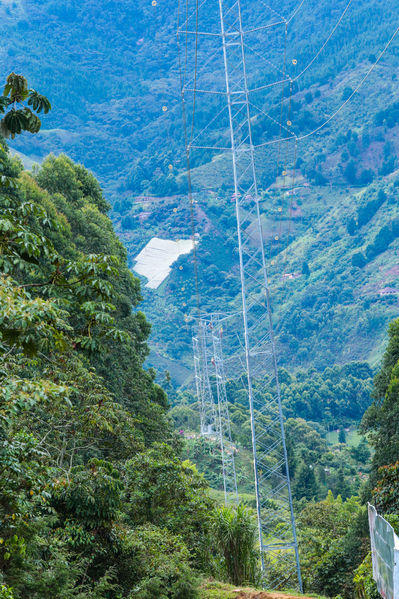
211 589
218 590
353 437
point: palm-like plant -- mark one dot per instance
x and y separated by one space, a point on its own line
234 531
15 102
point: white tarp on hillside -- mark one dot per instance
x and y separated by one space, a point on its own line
385 555
156 259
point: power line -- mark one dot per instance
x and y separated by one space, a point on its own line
260 88
332 116
284 79
371 69
293 14
325 43
187 147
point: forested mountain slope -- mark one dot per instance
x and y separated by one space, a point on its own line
110 72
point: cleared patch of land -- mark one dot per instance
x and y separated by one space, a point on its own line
218 590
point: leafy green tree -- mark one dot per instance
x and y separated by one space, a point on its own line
306 484
381 421
168 493
161 563
305 269
366 176
361 453
19 116
358 260
386 493
341 436
348 91
334 539
342 487
365 585
351 226
66 297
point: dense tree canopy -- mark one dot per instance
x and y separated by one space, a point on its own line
77 409
381 421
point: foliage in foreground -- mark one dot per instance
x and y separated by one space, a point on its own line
334 541
235 531
77 519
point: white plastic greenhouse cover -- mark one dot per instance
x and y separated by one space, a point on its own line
385 555
156 259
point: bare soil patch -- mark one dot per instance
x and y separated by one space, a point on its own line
242 594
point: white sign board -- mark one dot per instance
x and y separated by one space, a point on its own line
385 555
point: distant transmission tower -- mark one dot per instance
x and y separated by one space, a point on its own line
207 408
213 402
228 42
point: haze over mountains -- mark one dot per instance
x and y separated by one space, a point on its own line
110 70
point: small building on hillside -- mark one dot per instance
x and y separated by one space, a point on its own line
388 291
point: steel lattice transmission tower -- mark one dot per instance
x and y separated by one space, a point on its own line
212 399
220 47
207 407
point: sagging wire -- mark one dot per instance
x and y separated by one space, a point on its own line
187 139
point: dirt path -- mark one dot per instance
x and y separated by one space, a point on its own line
266 595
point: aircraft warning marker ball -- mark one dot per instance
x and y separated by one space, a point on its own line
276 237
164 108
174 209
280 209
294 61
154 2
289 123
170 167
284 173
180 268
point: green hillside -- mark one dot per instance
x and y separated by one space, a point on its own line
110 73
333 273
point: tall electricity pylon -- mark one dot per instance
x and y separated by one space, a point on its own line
276 524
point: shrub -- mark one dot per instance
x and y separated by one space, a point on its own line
6 592
234 530
364 584
162 564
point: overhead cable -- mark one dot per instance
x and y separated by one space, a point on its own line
332 116
325 43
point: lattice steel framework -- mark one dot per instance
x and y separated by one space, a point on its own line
276 524
212 399
207 408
